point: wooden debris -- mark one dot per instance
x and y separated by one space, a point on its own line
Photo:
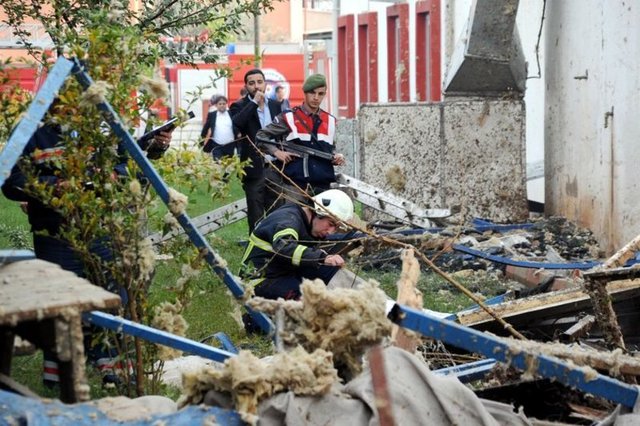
579 329
615 362
548 305
43 303
35 289
380 387
409 295
587 413
603 311
624 254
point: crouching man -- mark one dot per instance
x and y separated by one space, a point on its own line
281 247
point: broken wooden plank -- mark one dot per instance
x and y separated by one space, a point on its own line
549 304
579 329
624 254
35 289
408 295
382 397
596 282
605 316
43 302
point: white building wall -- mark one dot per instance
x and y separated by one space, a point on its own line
295 23
528 20
592 130
456 14
582 111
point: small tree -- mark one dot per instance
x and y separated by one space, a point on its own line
105 212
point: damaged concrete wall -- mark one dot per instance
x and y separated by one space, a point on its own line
592 58
346 141
468 153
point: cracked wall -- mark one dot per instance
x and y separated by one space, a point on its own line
467 153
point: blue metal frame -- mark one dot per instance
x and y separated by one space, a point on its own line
156 336
8 256
481 226
36 111
497 348
17 409
111 117
28 125
226 342
523 264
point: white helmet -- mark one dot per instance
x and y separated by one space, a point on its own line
335 202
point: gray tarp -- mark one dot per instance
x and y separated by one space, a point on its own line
418 397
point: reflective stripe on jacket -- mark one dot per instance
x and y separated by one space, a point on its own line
280 244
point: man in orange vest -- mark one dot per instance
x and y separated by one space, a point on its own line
313 129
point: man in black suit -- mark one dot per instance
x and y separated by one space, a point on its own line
250 114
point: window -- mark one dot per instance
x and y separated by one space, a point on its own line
368 56
398 52
346 67
428 78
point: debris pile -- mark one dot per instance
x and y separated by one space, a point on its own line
333 320
249 379
329 331
553 239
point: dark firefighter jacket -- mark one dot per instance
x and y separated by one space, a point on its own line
280 245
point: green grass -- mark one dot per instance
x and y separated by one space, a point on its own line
14 226
211 305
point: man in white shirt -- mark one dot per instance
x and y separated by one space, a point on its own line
219 131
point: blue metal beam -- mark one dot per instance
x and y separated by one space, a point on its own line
8 256
156 336
112 118
523 264
36 111
499 349
20 410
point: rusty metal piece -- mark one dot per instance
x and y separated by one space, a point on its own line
380 387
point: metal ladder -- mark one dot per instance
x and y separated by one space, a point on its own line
369 195
209 222
393 205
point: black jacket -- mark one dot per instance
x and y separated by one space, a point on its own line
282 245
43 149
244 114
209 123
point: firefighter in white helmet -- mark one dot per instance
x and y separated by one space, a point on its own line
281 254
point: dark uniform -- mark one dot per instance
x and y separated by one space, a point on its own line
45 149
244 114
312 174
281 251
